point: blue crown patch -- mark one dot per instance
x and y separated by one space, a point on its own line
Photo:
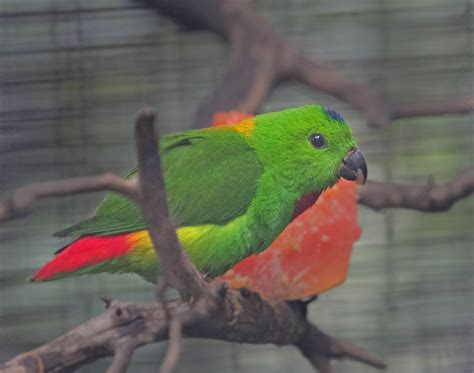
335 115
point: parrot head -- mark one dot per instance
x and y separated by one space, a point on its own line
308 148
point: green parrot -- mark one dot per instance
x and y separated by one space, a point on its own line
231 191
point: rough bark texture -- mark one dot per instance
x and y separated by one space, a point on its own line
234 317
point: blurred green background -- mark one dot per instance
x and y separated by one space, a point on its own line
73 74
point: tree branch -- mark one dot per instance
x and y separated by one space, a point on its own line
430 197
319 348
461 105
244 318
363 97
215 311
23 199
174 263
174 348
94 339
123 355
261 59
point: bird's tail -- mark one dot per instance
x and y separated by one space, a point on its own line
129 252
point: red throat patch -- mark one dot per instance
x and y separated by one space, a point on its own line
304 203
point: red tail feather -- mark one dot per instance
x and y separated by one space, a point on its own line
84 252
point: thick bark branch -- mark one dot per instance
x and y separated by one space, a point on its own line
241 317
94 339
430 197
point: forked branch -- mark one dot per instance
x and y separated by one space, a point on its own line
261 59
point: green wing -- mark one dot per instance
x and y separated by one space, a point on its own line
211 177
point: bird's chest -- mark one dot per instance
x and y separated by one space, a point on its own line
273 216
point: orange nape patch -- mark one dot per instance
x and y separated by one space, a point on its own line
311 255
244 127
229 117
235 121
85 252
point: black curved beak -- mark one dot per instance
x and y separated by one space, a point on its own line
354 167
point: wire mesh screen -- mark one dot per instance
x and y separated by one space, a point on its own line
72 76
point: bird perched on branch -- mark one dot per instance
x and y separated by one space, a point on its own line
231 191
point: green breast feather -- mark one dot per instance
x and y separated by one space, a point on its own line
211 178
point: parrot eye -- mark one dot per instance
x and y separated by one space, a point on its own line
317 140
